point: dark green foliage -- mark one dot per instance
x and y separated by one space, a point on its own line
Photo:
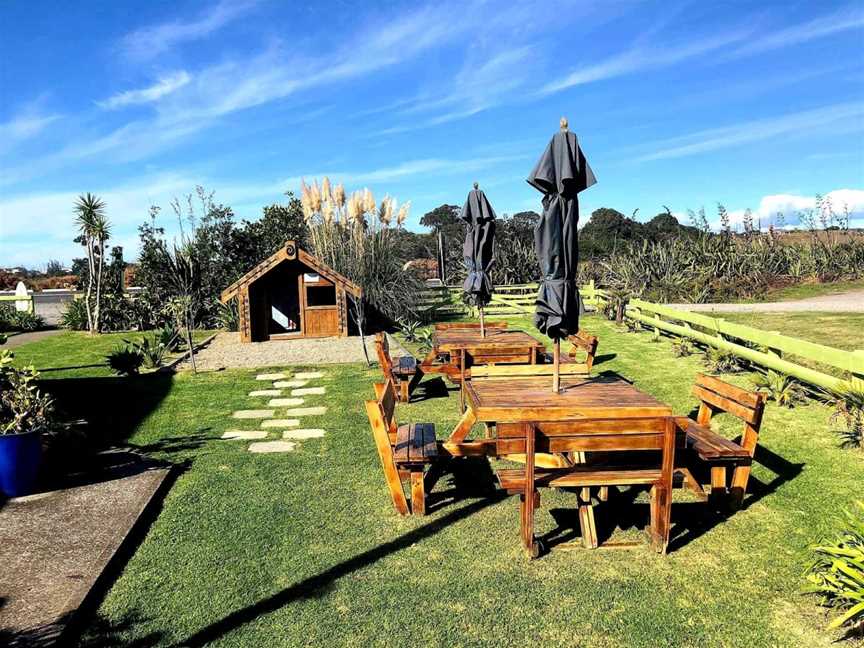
780 388
14 320
837 572
125 360
74 317
228 316
152 351
849 410
23 408
722 361
119 312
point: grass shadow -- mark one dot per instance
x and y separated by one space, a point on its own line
463 478
606 357
318 585
434 387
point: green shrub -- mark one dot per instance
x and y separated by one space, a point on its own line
14 320
849 409
837 573
408 328
74 317
228 316
152 350
682 347
125 359
722 361
782 389
23 408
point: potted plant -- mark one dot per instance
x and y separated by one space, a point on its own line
25 413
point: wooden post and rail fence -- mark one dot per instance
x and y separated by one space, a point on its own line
770 350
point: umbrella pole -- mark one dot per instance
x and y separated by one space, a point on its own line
482 324
556 377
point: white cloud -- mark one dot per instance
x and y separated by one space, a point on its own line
152 41
784 209
842 117
164 86
845 20
641 58
28 123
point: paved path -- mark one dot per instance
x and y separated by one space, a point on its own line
850 302
23 338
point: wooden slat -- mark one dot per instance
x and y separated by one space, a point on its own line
520 371
513 479
402 449
653 425
388 402
430 445
736 409
724 389
385 453
710 445
416 440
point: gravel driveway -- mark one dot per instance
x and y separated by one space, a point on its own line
849 302
226 351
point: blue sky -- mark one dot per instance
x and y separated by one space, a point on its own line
755 104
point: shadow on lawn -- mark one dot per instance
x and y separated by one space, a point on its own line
318 585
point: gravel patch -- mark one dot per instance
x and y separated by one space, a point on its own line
850 302
226 351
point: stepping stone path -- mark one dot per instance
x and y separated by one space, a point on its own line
267 422
308 391
283 423
245 434
272 446
282 384
266 392
306 411
285 402
254 414
309 433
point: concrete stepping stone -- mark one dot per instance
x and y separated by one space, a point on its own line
284 384
308 391
277 423
306 411
305 433
253 414
272 446
271 376
304 375
245 434
266 392
285 402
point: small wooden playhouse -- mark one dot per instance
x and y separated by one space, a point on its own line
289 295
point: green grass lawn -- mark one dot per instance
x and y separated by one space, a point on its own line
305 549
76 353
840 330
806 290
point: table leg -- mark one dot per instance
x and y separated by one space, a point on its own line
463 427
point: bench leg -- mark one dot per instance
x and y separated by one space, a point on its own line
718 484
740 477
586 520
418 493
403 391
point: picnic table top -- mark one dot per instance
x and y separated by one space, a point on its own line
450 339
531 399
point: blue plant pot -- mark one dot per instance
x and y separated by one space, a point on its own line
20 456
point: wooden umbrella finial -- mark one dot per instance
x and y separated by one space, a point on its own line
564 124
476 185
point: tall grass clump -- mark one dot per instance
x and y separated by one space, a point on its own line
354 235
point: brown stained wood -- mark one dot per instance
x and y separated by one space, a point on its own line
513 479
710 445
379 389
385 454
586 521
717 401
481 448
518 371
528 498
622 426
463 427
416 443
718 482
587 343
418 493
726 390
430 445
448 326
402 447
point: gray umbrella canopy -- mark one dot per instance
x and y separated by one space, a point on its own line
478 250
561 173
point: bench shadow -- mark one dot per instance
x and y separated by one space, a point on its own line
462 478
605 357
319 585
433 387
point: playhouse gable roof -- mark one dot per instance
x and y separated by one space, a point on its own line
289 252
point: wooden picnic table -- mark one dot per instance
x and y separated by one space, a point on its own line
466 347
506 401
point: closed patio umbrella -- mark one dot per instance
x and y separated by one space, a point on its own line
478 250
560 174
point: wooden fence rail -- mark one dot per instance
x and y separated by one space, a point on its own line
764 348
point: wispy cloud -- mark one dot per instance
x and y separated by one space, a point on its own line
784 209
821 27
25 126
641 58
150 42
164 86
843 117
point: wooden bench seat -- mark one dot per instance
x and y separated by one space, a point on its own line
405 450
404 374
513 479
711 446
415 443
716 451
